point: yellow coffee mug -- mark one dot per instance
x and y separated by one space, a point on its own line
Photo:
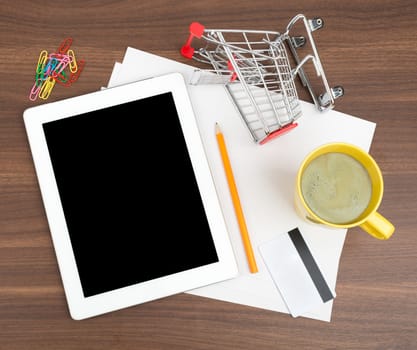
369 219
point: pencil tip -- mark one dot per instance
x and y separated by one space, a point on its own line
217 127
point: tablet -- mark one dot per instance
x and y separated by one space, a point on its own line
128 194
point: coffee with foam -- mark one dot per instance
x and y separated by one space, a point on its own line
336 187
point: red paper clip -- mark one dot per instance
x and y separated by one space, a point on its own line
65 45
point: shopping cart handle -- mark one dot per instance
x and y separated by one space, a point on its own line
196 31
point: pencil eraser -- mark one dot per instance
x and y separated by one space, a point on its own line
296 273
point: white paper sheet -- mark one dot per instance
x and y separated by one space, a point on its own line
265 178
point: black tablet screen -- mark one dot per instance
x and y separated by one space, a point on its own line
130 198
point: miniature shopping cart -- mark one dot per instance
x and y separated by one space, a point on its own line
255 68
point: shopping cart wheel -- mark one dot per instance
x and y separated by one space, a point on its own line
298 41
338 91
316 23
325 100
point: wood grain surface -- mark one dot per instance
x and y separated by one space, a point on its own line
369 47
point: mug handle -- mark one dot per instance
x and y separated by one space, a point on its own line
378 226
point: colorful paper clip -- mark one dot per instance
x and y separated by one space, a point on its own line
74 76
65 45
43 57
34 92
52 69
72 62
62 78
46 88
50 66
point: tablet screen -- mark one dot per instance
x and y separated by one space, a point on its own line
129 194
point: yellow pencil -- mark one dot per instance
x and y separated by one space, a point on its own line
236 201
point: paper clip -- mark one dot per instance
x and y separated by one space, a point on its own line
72 62
34 92
51 69
65 45
62 64
50 66
74 76
46 88
59 56
40 76
62 78
43 56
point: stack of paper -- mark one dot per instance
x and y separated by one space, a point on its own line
265 177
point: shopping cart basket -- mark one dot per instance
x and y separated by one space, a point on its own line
255 68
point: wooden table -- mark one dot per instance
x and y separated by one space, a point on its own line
369 47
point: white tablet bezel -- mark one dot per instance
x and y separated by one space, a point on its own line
81 307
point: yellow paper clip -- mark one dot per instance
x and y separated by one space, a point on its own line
74 76
43 56
46 88
72 62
